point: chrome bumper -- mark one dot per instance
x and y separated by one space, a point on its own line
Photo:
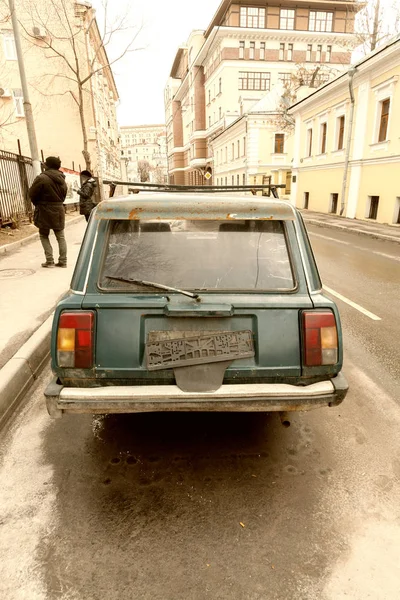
157 398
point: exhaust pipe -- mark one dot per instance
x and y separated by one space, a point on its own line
285 419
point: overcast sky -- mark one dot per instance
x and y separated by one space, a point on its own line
141 76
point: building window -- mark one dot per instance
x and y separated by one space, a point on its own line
237 180
244 146
226 181
306 199
328 54
209 96
372 207
233 180
262 51
319 53
281 51
287 19
285 78
18 103
289 55
334 203
244 182
254 81
340 137
220 86
309 52
209 121
320 21
252 50
279 143
233 151
220 113
323 138
252 17
241 49
226 154
383 125
10 50
309 142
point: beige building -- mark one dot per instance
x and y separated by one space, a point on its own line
253 149
53 92
347 145
145 144
246 51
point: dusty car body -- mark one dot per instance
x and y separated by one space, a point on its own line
189 302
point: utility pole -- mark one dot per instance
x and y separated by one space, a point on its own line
30 124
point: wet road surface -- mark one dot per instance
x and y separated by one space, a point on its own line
230 506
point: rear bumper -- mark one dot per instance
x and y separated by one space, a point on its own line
230 398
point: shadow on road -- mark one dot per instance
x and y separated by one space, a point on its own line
186 505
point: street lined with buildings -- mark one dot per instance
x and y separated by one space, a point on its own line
225 506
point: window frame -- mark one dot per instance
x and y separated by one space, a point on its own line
318 24
309 53
252 20
383 124
279 143
340 131
318 54
262 50
255 76
18 101
328 54
9 44
252 51
323 137
289 53
286 19
282 51
309 140
242 48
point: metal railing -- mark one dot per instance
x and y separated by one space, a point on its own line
16 176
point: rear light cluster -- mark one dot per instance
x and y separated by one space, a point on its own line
320 339
75 340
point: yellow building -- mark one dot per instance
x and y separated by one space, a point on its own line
347 144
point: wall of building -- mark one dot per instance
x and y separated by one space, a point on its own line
372 163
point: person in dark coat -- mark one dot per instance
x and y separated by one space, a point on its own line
47 194
86 193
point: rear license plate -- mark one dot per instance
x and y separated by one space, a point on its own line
166 350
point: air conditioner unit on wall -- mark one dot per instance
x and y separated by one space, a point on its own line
39 32
5 93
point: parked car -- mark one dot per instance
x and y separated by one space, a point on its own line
194 302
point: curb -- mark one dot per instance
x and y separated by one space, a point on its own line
372 234
19 373
14 246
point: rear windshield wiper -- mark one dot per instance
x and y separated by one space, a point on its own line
154 285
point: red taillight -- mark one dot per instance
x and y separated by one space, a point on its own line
75 340
320 341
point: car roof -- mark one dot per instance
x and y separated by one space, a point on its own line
182 206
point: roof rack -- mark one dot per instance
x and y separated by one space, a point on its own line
157 187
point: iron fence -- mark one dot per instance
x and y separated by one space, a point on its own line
16 176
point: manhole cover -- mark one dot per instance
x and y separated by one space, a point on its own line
15 273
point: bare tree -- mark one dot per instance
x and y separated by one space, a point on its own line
144 169
66 43
376 22
311 77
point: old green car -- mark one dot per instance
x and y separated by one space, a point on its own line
195 302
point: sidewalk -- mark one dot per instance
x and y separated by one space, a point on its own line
368 228
28 293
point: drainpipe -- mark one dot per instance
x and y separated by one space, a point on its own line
352 72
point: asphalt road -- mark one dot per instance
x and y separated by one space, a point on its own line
196 506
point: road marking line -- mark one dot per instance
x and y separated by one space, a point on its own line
325 237
331 239
351 303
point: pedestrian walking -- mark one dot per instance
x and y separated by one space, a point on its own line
47 194
86 193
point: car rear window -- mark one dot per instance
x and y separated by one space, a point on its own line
198 255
